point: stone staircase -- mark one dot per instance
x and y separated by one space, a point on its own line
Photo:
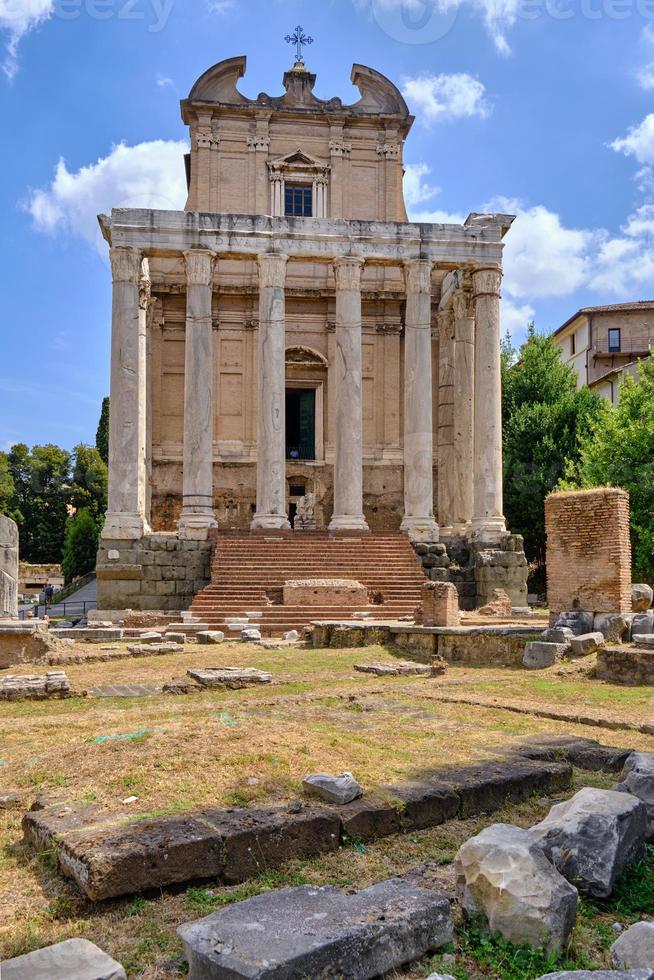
249 571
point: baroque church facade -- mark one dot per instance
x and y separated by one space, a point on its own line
289 351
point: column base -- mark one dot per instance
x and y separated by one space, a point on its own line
421 529
488 530
124 527
195 527
456 531
270 522
347 522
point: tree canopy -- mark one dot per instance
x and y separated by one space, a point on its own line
618 450
102 435
41 486
80 545
544 418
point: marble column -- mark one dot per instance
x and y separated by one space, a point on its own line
271 425
127 420
488 523
348 437
197 515
418 521
446 460
464 400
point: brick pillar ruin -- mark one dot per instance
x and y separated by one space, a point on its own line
588 551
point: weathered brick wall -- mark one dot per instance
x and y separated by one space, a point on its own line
588 551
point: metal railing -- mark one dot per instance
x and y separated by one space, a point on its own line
300 452
629 344
59 609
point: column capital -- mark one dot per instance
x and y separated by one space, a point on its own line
417 275
347 270
272 269
199 267
125 264
486 281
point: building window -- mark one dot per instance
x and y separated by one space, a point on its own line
298 201
573 344
614 340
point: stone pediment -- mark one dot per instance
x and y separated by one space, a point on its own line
306 356
298 160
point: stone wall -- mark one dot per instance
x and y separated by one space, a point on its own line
8 569
159 572
477 571
588 551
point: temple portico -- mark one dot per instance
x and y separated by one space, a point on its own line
465 305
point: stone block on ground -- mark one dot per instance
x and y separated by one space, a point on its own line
634 949
539 655
318 932
250 635
638 779
292 636
582 646
325 592
627 665
154 649
210 637
642 624
585 753
557 634
576 620
500 606
333 789
644 640
600 975
368 819
641 597
233 678
504 876
485 787
175 638
108 859
592 838
88 634
14 687
74 959
399 668
615 628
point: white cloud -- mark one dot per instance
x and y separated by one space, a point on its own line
498 16
17 18
639 142
164 82
542 257
645 76
148 175
624 264
439 97
516 319
220 6
416 190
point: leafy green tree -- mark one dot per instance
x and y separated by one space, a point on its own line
618 451
41 498
544 418
102 435
80 545
7 489
89 485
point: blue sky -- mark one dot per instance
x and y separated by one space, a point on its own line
544 107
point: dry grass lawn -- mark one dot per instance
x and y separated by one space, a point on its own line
239 748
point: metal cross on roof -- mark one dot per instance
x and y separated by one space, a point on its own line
298 38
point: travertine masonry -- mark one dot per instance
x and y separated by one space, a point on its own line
588 551
161 571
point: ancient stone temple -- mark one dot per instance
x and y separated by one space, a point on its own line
290 352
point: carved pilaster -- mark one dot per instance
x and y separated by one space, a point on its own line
340 148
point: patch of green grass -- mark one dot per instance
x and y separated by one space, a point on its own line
205 900
633 894
506 961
